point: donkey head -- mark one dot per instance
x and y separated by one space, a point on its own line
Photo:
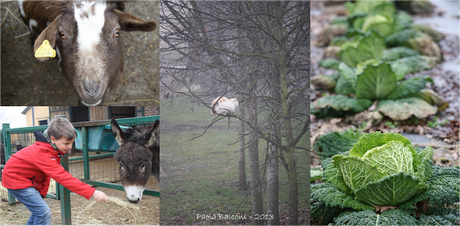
138 157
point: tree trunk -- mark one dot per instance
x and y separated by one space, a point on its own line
256 190
291 157
307 135
272 186
272 169
242 147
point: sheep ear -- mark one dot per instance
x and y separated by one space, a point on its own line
118 133
152 135
50 34
129 22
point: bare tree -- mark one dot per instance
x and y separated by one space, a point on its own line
241 152
258 51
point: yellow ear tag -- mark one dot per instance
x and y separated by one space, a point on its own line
45 50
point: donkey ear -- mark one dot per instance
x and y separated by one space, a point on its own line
118 133
154 134
129 22
50 34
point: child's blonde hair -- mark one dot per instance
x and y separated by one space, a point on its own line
61 127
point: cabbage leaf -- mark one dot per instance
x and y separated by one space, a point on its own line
330 195
390 191
397 53
376 82
334 143
410 87
376 139
403 109
355 172
342 103
368 217
368 47
392 158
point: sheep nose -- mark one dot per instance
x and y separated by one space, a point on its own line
91 86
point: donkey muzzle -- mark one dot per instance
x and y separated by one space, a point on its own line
134 193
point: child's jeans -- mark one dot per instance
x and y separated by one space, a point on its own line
31 198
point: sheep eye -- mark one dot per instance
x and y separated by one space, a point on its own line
122 167
62 34
116 33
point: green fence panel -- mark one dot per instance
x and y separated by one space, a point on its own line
7 149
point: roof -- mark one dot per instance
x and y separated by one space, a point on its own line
26 110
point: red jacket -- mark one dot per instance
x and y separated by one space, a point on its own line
34 165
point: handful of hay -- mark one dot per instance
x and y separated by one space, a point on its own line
134 210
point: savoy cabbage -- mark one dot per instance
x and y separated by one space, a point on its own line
384 171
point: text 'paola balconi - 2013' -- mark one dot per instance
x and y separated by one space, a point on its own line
219 216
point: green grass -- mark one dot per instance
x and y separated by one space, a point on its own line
202 175
179 112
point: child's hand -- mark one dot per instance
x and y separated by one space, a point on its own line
100 196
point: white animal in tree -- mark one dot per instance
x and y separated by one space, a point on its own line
224 106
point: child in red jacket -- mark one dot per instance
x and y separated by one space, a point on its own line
27 173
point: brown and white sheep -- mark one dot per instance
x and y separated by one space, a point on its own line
85 35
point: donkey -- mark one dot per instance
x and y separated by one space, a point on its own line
138 157
86 37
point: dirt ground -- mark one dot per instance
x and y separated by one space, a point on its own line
98 213
27 81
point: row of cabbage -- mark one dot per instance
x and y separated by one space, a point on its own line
380 178
378 47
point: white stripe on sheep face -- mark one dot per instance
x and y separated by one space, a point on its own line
90 21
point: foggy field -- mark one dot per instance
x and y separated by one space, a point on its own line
202 175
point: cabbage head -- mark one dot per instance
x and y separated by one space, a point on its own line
382 169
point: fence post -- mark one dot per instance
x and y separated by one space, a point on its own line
85 149
7 149
64 193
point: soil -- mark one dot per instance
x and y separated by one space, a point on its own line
444 138
28 82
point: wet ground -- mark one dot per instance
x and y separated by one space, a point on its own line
446 75
27 81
